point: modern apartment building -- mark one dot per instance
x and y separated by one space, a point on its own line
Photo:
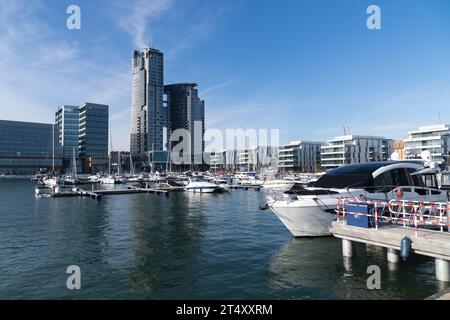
348 149
299 156
257 158
223 160
27 148
399 148
217 160
187 111
149 116
435 139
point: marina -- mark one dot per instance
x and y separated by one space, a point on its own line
136 245
244 150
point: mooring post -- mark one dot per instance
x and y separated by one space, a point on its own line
443 270
393 255
347 248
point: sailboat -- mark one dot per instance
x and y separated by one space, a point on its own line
51 180
72 179
133 176
110 178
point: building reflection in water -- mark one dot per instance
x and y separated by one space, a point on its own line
166 247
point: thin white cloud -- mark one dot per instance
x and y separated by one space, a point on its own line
40 70
218 86
134 17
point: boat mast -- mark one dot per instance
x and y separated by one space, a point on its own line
170 157
131 165
118 163
74 164
53 150
110 150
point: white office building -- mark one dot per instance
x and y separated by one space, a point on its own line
299 156
349 149
435 139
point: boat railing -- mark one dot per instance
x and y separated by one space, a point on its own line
406 213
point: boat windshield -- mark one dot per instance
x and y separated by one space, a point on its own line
445 179
350 176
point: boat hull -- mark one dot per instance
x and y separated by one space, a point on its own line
305 221
202 190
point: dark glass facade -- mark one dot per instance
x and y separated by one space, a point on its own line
93 139
185 109
27 148
67 121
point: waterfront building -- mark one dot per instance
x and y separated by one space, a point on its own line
299 156
149 115
257 158
217 160
399 148
435 139
348 149
187 111
120 164
82 133
225 160
67 122
27 148
93 138
160 161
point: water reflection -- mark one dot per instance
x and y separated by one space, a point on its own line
167 244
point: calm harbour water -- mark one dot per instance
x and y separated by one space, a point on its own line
185 246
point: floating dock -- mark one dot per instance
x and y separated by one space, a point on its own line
78 193
97 194
245 187
130 190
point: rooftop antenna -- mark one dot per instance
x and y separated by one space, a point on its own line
440 118
349 132
345 132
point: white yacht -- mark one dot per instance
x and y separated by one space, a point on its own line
309 211
108 180
50 181
198 184
70 180
94 178
281 185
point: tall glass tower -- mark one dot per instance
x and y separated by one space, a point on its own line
149 116
186 111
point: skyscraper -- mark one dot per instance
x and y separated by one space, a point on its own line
186 109
149 117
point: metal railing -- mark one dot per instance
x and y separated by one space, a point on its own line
406 213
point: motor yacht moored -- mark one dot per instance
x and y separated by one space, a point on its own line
309 211
201 185
281 185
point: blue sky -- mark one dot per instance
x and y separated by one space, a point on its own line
306 67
